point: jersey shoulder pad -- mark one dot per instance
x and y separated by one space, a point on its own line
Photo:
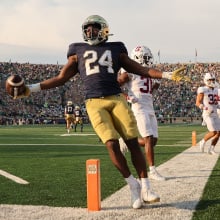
119 44
201 89
73 48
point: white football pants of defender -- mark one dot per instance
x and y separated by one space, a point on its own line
212 121
146 120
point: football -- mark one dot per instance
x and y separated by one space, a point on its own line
15 86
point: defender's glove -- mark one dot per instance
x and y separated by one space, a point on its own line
176 75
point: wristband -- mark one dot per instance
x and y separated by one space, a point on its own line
158 81
34 87
167 75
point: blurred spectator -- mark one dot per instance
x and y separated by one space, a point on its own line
171 100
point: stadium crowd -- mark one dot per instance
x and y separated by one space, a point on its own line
171 100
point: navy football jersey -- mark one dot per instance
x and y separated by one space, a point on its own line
69 109
78 113
98 66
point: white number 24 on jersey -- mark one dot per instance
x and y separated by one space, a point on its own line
105 60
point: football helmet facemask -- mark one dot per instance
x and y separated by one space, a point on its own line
142 55
99 22
209 80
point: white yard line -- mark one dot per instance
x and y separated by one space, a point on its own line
77 134
13 177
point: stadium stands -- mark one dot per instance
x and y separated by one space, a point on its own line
173 102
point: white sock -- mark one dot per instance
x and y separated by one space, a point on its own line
145 184
151 168
212 147
131 181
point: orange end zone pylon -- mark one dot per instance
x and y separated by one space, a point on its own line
194 138
93 184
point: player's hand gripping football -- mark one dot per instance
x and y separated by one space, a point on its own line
16 88
26 93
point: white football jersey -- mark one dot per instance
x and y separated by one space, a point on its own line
218 109
141 88
210 100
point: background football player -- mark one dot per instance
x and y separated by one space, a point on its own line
140 91
207 101
69 115
78 118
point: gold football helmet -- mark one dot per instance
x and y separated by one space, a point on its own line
98 22
69 103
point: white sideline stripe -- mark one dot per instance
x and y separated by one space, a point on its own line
13 178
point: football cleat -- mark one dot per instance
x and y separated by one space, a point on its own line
154 175
212 151
149 197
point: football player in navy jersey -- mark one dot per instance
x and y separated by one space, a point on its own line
98 62
78 118
69 115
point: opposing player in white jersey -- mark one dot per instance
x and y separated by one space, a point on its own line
207 101
217 85
140 95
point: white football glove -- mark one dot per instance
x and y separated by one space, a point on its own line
123 146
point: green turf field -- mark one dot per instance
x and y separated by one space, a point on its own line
54 165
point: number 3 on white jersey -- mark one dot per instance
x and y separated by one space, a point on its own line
105 60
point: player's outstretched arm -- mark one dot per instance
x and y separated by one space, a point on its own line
68 71
133 67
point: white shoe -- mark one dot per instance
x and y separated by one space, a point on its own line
212 151
136 196
123 146
201 146
154 175
149 197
